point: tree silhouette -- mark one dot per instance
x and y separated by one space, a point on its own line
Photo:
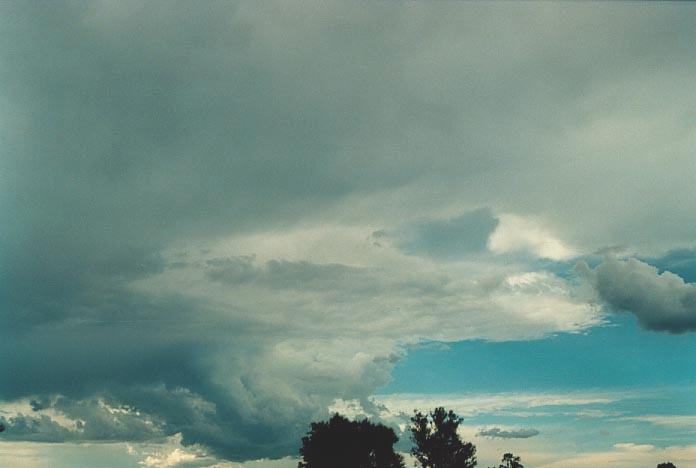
666 465
341 443
510 461
437 444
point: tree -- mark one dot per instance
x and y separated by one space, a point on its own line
666 465
341 443
437 444
511 461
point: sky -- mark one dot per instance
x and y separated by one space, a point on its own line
223 220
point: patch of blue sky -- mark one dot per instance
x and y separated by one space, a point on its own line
681 262
617 355
649 377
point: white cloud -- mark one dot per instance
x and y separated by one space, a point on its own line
669 420
472 404
382 289
625 455
167 460
515 234
170 453
631 447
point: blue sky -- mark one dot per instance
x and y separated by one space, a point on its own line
224 220
614 356
647 378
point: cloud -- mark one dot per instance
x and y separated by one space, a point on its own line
515 234
238 355
39 429
660 301
624 455
681 262
449 238
496 432
470 405
631 447
82 420
285 274
177 457
668 420
397 297
56 455
187 196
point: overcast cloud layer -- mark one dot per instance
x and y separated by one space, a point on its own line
218 218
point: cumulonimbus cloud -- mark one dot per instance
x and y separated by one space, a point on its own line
149 153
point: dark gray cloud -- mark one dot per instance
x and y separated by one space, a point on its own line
285 274
496 432
33 428
660 301
451 238
83 420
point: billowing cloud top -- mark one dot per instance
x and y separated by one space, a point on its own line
661 301
218 218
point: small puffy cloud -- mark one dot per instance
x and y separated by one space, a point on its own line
170 453
517 234
660 301
496 432
177 457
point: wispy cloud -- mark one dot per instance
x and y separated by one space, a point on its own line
496 432
669 420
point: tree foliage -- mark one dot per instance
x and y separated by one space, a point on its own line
437 444
666 465
341 443
511 461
